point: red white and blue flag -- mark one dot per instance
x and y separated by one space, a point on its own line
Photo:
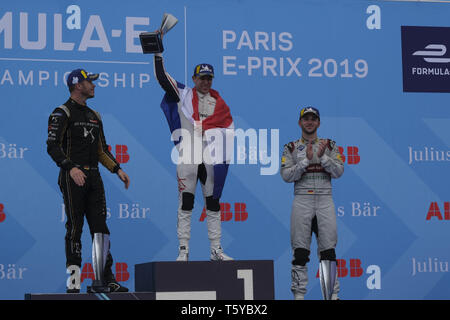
220 123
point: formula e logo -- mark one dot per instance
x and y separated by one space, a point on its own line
425 59
33 33
434 50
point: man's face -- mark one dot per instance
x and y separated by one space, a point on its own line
309 123
202 83
87 89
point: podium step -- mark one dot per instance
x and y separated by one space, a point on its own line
91 296
207 280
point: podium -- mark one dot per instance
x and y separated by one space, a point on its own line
207 280
191 280
91 296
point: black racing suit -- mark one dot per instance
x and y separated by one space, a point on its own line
76 139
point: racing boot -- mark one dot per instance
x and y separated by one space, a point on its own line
113 285
299 280
214 235
183 253
100 250
299 296
328 275
217 254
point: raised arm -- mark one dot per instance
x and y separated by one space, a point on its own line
166 82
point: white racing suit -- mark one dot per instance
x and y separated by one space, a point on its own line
313 206
198 114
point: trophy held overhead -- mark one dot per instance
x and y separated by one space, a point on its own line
151 42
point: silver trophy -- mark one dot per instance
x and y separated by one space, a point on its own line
100 249
327 271
151 42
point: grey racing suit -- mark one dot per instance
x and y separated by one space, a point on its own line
313 206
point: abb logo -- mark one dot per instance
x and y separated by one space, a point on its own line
122 155
2 213
352 155
355 270
122 273
434 211
240 212
342 269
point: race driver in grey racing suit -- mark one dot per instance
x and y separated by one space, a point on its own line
310 163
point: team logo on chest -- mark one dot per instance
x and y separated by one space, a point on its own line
89 133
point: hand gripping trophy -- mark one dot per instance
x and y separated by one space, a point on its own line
194 116
151 42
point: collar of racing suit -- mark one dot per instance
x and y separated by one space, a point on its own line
76 104
303 140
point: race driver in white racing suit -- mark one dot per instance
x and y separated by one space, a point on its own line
311 163
196 111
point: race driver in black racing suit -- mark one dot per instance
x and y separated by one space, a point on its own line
76 142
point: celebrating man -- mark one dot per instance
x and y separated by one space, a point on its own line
310 163
194 114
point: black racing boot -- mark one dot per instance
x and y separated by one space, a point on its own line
73 291
114 285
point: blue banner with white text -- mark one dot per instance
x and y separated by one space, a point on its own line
378 71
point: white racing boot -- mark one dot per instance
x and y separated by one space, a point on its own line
183 254
217 254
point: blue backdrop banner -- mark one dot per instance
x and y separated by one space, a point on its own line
378 71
